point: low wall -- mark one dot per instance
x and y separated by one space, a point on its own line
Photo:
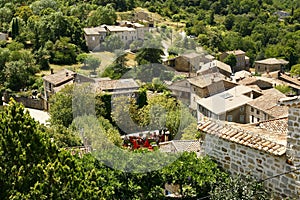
237 158
27 101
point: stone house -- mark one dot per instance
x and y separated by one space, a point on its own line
269 65
126 31
121 87
266 107
144 17
229 105
94 37
205 85
262 84
268 150
54 82
181 90
242 61
190 62
215 66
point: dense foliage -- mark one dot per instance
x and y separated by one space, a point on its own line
33 167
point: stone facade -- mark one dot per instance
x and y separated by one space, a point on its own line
241 152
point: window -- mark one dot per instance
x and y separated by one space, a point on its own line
252 109
258 119
242 118
257 112
229 118
242 108
252 118
93 38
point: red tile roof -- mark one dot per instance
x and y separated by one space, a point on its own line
237 134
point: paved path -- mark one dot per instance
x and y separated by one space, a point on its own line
39 115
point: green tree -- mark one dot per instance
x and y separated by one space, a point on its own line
229 21
295 70
149 55
195 176
230 60
18 75
61 107
112 43
102 15
15 28
64 52
23 148
239 187
92 63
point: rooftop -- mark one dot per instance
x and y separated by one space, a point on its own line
205 80
242 74
105 85
227 100
290 79
236 52
216 63
180 146
117 28
182 85
60 77
258 136
94 30
272 61
268 103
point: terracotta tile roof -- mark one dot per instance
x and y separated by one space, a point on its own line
268 103
237 134
106 85
205 80
60 77
290 79
180 146
272 61
215 63
279 125
94 30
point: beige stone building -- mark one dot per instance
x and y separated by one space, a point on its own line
266 107
268 150
94 37
205 85
229 105
269 65
181 90
215 66
242 61
190 62
126 31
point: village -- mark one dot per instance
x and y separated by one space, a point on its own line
245 113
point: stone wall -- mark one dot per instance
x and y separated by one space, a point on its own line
27 102
237 158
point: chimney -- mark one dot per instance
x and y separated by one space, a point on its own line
51 69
